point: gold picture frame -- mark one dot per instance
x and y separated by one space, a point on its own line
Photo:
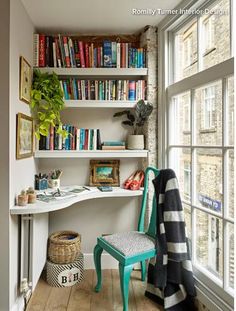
24 136
25 80
104 172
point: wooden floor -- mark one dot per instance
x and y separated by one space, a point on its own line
82 297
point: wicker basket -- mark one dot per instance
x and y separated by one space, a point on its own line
63 246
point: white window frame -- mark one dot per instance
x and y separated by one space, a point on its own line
208 107
209 290
208 34
187 50
187 171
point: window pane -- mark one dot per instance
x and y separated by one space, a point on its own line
230 183
188 220
209 179
208 114
209 248
230 111
231 255
215 35
185 51
180 162
179 119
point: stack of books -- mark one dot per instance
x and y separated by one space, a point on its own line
113 145
77 139
63 51
103 89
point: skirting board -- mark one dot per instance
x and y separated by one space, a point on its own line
18 305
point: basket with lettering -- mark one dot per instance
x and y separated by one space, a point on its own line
63 246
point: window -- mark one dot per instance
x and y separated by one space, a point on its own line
199 136
209 107
187 180
208 34
202 42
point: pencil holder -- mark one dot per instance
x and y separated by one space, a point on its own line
54 183
41 184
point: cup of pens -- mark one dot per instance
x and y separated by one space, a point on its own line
54 179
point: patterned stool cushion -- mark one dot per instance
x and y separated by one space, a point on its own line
130 243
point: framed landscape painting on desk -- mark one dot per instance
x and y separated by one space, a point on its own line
105 172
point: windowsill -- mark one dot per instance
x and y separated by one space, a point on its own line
187 67
207 52
210 130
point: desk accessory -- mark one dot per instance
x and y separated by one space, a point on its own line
105 188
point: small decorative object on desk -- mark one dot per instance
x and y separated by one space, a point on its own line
135 181
136 121
22 198
54 179
31 195
41 181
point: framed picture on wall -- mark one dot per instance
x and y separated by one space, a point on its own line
24 136
25 80
105 172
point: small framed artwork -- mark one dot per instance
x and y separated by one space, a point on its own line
24 136
25 80
106 172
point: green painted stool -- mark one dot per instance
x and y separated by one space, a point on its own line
129 247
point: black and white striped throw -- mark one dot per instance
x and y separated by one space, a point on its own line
170 278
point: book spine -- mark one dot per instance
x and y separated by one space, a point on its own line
123 56
42 50
47 52
126 55
132 95
36 50
58 53
114 53
77 54
86 140
107 54
54 54
66 49
86 55
61 45
71 53
92 89
51 142
77 139
81 51
99 142
89 137
94 139
99 57
118 55
83 90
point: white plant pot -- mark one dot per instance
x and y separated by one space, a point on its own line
54 183
136 142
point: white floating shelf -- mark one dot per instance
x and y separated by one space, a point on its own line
99 104
93 193
96 71
99 154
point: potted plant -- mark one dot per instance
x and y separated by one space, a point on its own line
47 103
136 121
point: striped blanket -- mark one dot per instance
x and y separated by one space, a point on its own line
170 279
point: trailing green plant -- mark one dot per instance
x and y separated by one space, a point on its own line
137 119
47 103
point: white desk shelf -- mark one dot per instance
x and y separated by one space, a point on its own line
98 154
93 193
97 72
99 104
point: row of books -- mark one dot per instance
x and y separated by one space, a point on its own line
64 51
78 139
103 89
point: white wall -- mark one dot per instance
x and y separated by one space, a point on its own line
4 154
21 171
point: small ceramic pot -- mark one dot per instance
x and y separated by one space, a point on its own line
22 200
135 142
31 198
54 183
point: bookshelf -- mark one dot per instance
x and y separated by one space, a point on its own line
99 104
97 72
91 154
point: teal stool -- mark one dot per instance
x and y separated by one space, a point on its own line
129 247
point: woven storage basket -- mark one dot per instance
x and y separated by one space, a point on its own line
63 246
